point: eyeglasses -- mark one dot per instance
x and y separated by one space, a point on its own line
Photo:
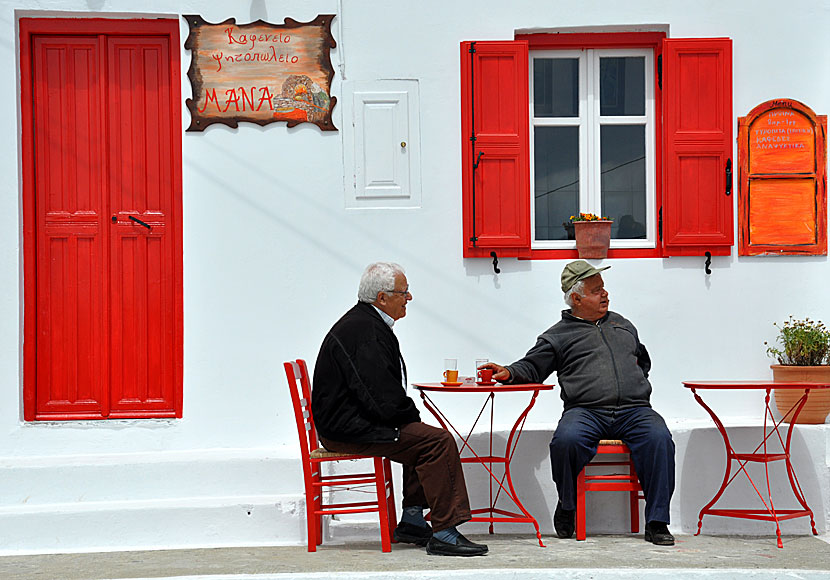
404 292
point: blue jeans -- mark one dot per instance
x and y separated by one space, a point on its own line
575 440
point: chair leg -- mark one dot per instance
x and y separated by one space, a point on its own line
580 505
635 510
314 503
383 505
312 519
392 515
634 496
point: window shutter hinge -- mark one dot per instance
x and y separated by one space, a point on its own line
660 225
660 71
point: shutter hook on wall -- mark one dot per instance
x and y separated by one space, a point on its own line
708 263
496 268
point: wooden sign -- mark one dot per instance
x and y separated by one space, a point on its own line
260 72
782 151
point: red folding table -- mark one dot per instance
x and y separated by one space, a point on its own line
761 453
491 513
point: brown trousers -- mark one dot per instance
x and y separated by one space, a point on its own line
432 472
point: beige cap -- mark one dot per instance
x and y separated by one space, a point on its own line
576 271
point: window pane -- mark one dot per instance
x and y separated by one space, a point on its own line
623 166
556 195
555 87
622 86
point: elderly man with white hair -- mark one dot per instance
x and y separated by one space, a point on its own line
360 405
602 370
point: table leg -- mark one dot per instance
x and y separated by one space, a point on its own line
516 432
729 454
796 487
487 462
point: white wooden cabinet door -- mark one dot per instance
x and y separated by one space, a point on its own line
381 144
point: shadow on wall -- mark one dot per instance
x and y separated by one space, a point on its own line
703 470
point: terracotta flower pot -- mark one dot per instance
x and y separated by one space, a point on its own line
593 238
816 409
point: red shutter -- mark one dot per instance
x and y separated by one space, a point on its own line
697 109
494 127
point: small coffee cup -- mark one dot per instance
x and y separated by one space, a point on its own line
484 376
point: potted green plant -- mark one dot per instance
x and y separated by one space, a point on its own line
804 355
593 235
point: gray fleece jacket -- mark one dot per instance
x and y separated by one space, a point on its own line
599 364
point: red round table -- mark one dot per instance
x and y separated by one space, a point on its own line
491 513
761 453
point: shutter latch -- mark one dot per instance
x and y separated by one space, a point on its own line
728 177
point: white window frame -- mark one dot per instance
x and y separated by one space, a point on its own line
590 122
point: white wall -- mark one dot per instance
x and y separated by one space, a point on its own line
272 257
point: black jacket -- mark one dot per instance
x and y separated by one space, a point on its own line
357 392
598 364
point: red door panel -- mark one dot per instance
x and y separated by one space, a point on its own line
142 259
71 370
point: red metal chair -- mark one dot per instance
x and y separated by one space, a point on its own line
609 482
313 458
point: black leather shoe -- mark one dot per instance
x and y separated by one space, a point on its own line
462 547
407 533
658 534
563 521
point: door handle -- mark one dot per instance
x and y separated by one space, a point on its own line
135 219
138 221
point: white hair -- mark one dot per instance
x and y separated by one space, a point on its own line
578 288
377 277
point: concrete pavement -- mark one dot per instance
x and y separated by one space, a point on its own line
514 557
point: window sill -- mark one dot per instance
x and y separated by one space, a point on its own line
612 253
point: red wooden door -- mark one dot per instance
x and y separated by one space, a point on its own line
107 241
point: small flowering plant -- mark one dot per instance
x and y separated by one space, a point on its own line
587 217
805 343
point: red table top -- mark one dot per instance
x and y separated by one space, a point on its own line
727 385
473 388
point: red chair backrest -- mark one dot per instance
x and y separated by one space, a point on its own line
297 374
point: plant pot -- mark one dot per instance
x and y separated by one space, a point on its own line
593 238
816 409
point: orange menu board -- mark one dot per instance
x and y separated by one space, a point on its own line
782 193
782 140
260 72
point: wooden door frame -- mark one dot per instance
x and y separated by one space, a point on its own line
28 27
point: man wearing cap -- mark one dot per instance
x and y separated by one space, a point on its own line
602 369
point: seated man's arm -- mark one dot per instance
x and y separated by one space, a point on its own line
643 359
536 366
376 383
